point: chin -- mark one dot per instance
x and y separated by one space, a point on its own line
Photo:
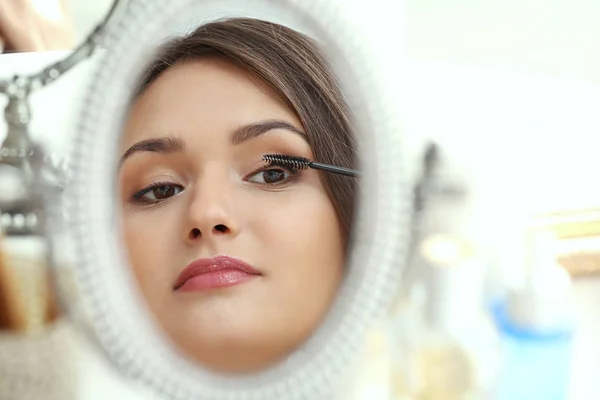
234 348
237 358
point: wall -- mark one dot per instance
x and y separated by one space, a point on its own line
557 37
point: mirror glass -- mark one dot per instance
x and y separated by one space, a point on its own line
238 259
225 236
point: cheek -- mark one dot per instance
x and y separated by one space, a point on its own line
148 235
304 253
303 231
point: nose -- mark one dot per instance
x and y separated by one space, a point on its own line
210 214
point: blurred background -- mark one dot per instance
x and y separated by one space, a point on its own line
555 38
510 88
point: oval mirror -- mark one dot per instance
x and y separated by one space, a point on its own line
239 205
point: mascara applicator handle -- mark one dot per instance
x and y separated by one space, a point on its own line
334 169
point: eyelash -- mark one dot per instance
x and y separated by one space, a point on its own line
138 197
294 174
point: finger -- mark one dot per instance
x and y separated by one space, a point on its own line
1 45
26 28
16 23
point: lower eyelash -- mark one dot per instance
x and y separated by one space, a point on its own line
294 175
138 197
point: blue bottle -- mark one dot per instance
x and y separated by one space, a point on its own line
536 332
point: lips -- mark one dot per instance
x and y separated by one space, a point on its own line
220 271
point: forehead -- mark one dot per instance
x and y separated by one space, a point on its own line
205 92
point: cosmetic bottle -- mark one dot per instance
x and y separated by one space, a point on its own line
445 345
445 342
430 364
536 326
457 314
25 256
36 358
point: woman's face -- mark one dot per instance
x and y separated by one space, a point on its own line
238 261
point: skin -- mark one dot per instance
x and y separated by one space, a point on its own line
36 25
286 228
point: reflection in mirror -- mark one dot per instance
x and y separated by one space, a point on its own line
234 262
239 259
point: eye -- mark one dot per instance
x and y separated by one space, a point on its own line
157 193
272 176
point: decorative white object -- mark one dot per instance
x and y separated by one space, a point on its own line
117 317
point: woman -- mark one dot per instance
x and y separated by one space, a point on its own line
238 260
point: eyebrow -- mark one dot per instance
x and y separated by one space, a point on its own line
256 129
164 145
169 145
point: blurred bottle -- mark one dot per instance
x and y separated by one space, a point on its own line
536 323
36 358
444 341
450 343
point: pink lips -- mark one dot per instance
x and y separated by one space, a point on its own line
208 273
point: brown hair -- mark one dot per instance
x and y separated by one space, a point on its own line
291 65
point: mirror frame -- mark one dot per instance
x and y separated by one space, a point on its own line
115 314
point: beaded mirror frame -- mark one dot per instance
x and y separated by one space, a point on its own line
115 313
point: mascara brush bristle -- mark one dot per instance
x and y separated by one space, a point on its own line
283 160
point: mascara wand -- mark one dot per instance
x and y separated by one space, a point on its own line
299 163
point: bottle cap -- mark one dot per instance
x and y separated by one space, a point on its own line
31 246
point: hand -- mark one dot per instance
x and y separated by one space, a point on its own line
36 25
